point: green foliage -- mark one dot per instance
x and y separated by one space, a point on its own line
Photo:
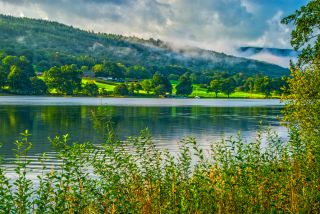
215 86
303 106
65 79
121 90
184 86
228 86
161 84
146 85
38 86
138 87
16 72
3 78
109 69
249 84
160 90
138 72
174 77
303 102
90 89
18 80
306 33
232 176
131 88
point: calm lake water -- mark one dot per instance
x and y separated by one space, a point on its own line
168 120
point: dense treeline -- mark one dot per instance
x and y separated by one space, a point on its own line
18 76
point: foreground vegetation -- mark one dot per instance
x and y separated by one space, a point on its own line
135 177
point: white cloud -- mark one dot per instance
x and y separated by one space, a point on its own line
212 24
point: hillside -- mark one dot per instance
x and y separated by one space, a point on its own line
47 43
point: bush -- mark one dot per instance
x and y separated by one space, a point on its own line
90 89
121 89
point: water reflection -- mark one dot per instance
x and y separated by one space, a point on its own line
167 125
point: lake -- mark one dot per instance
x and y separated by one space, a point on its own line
168 120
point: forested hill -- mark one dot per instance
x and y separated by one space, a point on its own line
47 43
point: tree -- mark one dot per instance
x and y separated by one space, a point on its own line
38 86
174 77
9 61
215 86
258 84
115 70
302 109
90 89
131 88
3 78
121 89
306 35
66 79
99 70
184 86
266 87
16 71
146 85
19 81
160 90
137 87
228 86
249 84
138 72
159 79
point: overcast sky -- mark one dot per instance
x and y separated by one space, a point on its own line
213 24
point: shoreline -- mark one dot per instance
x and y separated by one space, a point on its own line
144 97
132 101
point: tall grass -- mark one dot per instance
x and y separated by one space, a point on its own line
134 176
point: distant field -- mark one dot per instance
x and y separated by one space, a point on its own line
108 87
197 91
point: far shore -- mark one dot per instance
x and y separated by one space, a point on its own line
145 96
132 101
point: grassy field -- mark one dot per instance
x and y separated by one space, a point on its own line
197 91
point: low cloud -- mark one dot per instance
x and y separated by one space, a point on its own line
278 60
212 24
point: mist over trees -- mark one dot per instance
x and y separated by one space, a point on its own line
47 44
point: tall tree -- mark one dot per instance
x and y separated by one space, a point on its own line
3 78
38 86
249 84
160 80
306 34
146 85
121 89
215 86
66 79
228 86
19 81
184 86
90 89
303 103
